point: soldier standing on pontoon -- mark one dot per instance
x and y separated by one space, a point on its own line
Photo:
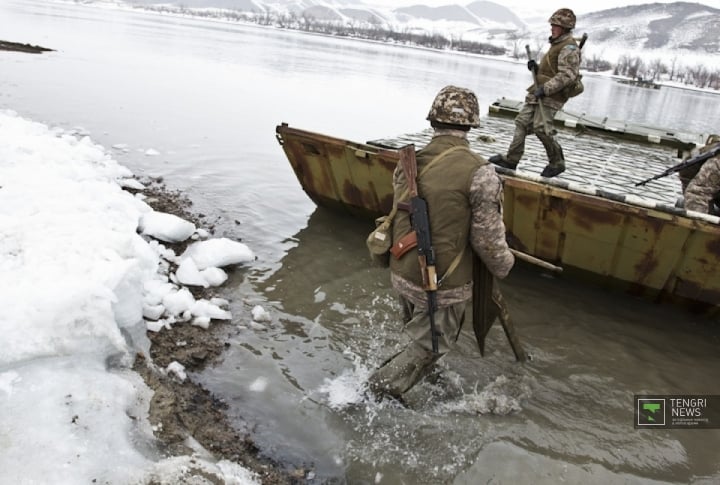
555 75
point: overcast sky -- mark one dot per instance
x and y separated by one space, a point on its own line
540 7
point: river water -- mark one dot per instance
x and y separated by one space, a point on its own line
197 102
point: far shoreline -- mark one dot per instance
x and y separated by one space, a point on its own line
6 45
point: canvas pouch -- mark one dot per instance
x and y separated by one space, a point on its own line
379 241
576 88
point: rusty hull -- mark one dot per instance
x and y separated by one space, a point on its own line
646 251
349 177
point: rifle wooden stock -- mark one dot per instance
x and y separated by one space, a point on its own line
409 167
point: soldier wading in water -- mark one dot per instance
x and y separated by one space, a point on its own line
464 199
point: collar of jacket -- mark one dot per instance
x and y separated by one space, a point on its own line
448 132
559 38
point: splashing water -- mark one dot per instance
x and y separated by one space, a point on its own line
349 388
501 397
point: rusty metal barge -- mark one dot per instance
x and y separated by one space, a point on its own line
592 220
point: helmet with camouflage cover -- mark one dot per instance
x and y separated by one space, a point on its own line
455 106
711 139
563 17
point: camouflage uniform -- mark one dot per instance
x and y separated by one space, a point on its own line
556 73
465 207
689 173
704 188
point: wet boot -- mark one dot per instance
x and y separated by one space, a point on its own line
397 375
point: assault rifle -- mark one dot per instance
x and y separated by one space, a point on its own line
420 222
684 164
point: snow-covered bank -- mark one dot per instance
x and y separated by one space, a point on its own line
79 288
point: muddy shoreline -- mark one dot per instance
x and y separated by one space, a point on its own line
182 409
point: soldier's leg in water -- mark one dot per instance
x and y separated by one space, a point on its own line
401 372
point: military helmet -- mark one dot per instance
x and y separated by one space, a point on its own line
712 139
563 17
455 106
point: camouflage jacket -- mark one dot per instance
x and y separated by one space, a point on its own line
559 68
486 234
703 186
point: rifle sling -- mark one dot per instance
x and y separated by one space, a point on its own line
409 240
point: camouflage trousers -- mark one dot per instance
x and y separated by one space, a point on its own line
402 371
528 121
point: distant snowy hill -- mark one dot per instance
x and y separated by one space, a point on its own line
691 28
481 14
678 25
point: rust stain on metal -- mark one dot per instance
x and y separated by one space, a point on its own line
310 148
315 182
386 203
354 196
557 204
588 218
388 164
646 265
525 200
554 212
713 247
656 225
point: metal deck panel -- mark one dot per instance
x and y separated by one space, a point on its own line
596 164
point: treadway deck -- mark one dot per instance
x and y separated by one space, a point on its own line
596 164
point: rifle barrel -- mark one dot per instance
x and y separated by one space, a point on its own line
582 41
684 164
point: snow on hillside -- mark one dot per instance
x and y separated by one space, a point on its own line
678 32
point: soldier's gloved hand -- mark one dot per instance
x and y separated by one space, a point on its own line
540 92
532 66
